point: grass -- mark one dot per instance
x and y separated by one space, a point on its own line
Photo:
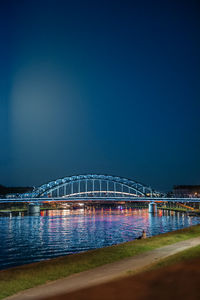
20 278
175 208
185 255
179 209
13 210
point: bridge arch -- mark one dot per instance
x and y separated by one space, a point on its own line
91 185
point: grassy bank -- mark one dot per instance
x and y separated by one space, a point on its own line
20 278
8 210
13 210
185 255
179 209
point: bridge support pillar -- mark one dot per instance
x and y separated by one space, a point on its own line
33 209
152 207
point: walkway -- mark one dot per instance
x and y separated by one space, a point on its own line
104 273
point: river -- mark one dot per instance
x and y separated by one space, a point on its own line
26 239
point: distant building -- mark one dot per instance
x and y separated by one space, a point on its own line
186 191
9 192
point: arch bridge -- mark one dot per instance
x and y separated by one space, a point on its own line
85 186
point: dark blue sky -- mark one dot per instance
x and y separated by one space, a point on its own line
107 87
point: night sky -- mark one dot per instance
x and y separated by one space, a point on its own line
106 87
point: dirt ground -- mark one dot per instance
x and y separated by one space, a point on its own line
179 281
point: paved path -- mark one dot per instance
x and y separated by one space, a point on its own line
104 273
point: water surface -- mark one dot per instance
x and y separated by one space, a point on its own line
55 233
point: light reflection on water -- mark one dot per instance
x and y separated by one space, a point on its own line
60 232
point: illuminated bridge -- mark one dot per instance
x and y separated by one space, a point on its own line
93 186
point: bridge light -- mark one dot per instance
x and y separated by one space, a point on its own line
65 205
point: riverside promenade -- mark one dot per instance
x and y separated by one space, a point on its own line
105 273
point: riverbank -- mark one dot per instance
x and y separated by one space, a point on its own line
25 209
194 212
19 211
20 278
176 277
105 273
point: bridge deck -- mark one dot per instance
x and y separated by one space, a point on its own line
99 199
